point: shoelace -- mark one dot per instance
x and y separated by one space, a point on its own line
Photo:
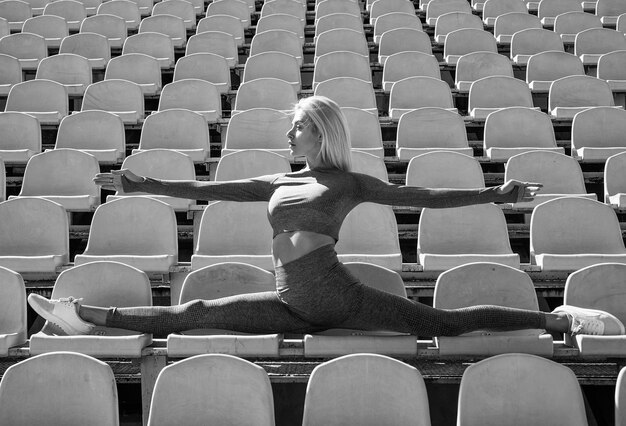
587 326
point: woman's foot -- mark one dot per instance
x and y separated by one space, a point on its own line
591 321
61 312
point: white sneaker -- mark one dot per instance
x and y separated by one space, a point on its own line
61 312
591 321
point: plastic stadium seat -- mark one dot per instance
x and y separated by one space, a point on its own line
529 42
545 67
485 283
157 45
509 23
64 176
277 41
418 92
476 65
223 23
258 128
274 65
3 181
597 133
341 39
126 9
10 73
34 235
4 27
402 40
121 97
73 11
402 65
282 21
331 7
183 9
37 390
52 28
213 282
207 388
197 95
590 44
445 169
13 324
467 40
548 10
338 20
366 389
384 7
45 100
72 71
91 6
217 42
379 245
493 9
349 92
369 164
365 131
612 68
138 68
289 7
573 94
111 26
28 48
15 12
453 21
341 64
21 137
170 25
430 129
568 24
493 93
436 8
393 20
250 163
518 386
198 5
621 23
230 7
598 286
514 130
119 232
265 93
210 67
560 175
609 10
570 233
454 236
620 415
615 180
94 47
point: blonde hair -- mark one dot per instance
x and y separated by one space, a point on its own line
331 124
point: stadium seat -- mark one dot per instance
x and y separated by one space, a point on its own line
418 92
274 65
590 44
208 388
620 416
366 389
13 324
402 40
454 236
138 68
213 282
338 20
170 25
282 21
71 70
277 41
91 6
121 97
211 67
568 24
180 8
230 7
161 164
509 23
365 131
612 68
494 8
258 128
621 23
615 180
94 47
476 65
393 20
548 10
369 164
431 129
126 9
384 7
217 42
545 67
444 169
349 92
598 286
64 176
485 283
249 163
560 175
341 64
402 65
467 40
453 21
436 8
4 27
290 7
111 26
71 10
532 41
21 137
609 11
597 133
10 73
15 12
341 39
519 387
265 93
52 28
159 46
331 7
34 235
223 23
571 233
104 284
197 95
573 94
37 390
45 100
495 92
3 181
28 48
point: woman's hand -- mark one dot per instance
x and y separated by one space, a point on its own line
113 181
515 191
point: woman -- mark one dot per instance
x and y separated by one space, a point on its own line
313 290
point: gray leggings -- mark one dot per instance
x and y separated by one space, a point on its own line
314 293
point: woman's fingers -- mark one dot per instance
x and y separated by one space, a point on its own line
528 190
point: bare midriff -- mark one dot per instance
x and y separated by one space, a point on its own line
289 246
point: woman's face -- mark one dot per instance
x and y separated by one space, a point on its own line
304 140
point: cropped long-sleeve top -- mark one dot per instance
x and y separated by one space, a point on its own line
317 200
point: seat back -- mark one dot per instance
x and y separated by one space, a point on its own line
419 92
65 68
579 91
384 7
19 131
615 176
12 304
341 39
599 41
467 40
179 8
599 127
519 127
126 9
394 19
258 128
136 67
499 92
531 41
277 41
154 44
249 163
330 21
39 96
363 162
431 127
558 173
454 20
365 131
89 45
232 8
223 23
402 65
281 21
553 8
111 26
476 65
444 169
266 93
161 164
91 130
403 40
341 64
273 65
114 96
170 25
47 26
612 66
175 129
217 42
204 66
193 94
10 70
434 9
509 23
24 46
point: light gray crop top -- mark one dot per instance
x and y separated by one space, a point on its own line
316 200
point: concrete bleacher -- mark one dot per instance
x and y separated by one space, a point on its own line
291 367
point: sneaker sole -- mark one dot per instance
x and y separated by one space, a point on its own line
48 316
